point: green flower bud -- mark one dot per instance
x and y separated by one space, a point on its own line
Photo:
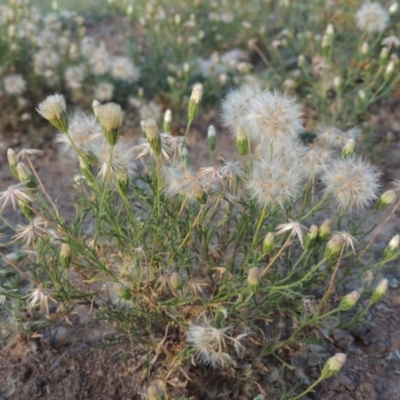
26 209
333 365
167 121
379 291
200 195
95 106
25 175
153 136
242 142
386 198
384 56
253 279
311 237
348 148
110 119
349 301
65 255
392 247
194 101
212 137
122 180
325 230
334 247
175 281
86 171
268 243
12 162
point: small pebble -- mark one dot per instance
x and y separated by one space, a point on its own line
393 283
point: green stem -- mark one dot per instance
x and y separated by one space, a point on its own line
320 379
103 196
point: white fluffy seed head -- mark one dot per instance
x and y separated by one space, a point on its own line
352 182
274 117
372 17
235 107
271 183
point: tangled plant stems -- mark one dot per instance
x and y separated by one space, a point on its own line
226 262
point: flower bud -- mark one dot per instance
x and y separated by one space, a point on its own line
167 121
334 247
333 365
65 255
311 237
95 106
384 56
242 142
26 209
200 195
253 279
268 243
194 101
349 301
85 170
325 44
54 109
175 281
212 137
330 31
392 248
348 148
361 94
12 162
153 136
389 70
393 8
110 119
386 198
301 61
25 175
325 229
379 291
122 180
337 82
364 48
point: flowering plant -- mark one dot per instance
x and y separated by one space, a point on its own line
227 269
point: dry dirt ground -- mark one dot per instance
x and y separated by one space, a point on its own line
64 362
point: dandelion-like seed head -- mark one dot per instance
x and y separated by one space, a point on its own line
122 161
352 182
211 345
315 161
14 84
274 117
83 129
182 181
272 183
372 17
235 107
